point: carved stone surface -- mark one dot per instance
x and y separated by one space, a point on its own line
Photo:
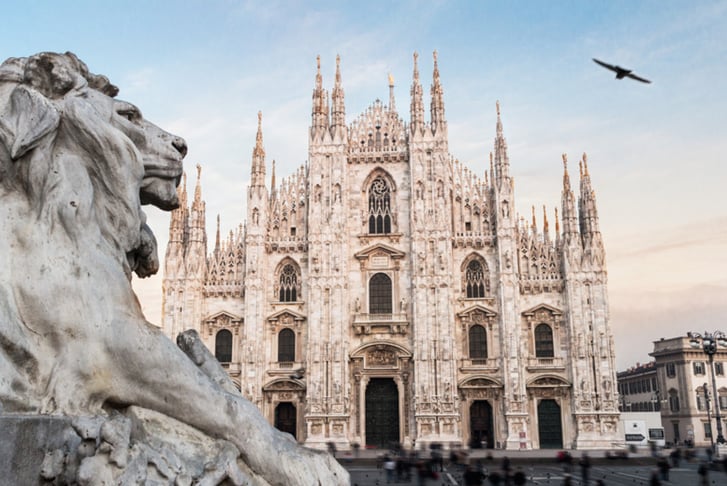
76 164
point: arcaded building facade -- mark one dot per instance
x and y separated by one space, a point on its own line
384 292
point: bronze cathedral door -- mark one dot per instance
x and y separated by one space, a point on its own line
285 419
481 424
550 428
382 413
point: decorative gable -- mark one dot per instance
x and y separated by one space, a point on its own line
222 320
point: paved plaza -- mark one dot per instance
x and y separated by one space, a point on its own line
541 468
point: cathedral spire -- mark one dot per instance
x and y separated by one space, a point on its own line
258 155
392 102
320 103
217 239
546 229
416 111
502 162
570 228
492 169
338 106
179 215
272 181
198 189
588 214
197 226
437 107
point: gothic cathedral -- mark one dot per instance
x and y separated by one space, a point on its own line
384 293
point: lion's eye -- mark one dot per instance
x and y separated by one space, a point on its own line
131 115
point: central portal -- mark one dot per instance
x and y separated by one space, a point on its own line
481 425
382 413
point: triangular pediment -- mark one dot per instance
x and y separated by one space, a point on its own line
286 313
543 308
477 308
380 249
223 316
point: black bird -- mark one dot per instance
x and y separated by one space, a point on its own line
621 72
298 374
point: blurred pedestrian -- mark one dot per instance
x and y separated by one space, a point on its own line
703 472
654 478
472 477
389 467
585 464
506 467
664 467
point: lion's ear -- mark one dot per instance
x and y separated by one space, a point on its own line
32 118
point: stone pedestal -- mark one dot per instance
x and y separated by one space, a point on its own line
24 442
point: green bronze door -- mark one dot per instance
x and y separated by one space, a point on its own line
550 428
382 413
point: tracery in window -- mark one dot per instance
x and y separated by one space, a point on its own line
477 281
379 207
288 284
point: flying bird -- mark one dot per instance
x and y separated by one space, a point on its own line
621 72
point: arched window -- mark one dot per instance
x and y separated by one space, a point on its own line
477 281
286 346
223 346
544 341
380 294
379 207
478 342
288 290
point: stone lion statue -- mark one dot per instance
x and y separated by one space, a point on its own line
76 165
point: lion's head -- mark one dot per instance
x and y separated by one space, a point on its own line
78 159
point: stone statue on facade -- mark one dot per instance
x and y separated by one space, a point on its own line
76 165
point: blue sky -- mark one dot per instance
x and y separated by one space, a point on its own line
203 69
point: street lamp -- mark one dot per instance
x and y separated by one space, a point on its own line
709 343
709 419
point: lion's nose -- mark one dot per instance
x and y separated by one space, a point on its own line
179 144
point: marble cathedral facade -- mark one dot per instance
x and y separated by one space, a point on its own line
384 292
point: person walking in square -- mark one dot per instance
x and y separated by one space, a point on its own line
585 464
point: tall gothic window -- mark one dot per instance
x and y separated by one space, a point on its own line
379 207
478 342
288 284
477 282
286 346
544 341
223 346
380 294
